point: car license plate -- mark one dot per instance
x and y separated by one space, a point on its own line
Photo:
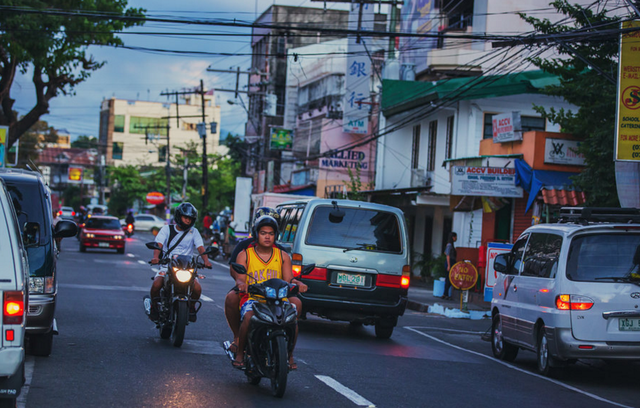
629 324
350 279
103 244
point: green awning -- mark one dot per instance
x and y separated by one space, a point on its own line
400 96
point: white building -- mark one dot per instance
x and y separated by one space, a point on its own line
135 132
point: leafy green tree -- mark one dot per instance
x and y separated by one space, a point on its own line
49 40
32 142
582 85
85 142
128 186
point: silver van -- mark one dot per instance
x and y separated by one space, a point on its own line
14 278
361 253
571 290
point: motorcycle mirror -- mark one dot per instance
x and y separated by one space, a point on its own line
239 269
307 269
153 245
211 251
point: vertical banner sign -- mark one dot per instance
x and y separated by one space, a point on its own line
628 121
4 135
358 75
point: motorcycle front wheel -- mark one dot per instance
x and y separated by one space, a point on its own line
279 364
180 317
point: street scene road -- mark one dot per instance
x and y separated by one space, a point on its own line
108 354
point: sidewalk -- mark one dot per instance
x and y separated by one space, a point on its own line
421 299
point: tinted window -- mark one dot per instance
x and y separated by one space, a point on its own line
29 206
102 223
541 255
518 251
603 255
364 229
143 218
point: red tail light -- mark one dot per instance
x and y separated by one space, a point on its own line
10 335
389 281
317 274
73 213
296 265
13 308
573 302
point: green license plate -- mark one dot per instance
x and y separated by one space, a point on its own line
103 244
350 279
629 324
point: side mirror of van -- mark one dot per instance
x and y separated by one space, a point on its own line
65 229
307 269
31 234
239 269
501 263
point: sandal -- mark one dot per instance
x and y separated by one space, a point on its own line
292 366
233 347
237 364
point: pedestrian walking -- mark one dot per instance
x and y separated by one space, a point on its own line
450 253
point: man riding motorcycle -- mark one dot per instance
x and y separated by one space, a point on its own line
180 239
263 261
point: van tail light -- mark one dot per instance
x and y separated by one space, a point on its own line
9 335
296 265
319 274
573 302
389 281
73 213
406 277
13 307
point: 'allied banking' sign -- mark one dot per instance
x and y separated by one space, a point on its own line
484 181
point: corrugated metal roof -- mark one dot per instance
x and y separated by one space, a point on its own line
399 96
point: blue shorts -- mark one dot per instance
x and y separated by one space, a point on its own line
248 305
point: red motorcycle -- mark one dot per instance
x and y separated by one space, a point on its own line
128 230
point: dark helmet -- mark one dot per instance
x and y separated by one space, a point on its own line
265 221
185 210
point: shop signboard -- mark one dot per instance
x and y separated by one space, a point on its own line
490 275
155 198
506 127
75 175
563 151
281 139
484 181
627 147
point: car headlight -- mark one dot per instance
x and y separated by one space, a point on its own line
41 284
182 275
270 292
117 237
282 292
89 235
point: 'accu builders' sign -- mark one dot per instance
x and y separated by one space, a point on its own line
484 181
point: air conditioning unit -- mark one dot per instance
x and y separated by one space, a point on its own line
421 178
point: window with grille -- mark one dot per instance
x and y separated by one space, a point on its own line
415 147
448 149
433 132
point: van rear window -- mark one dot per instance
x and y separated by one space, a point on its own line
27 200
604 257
363 229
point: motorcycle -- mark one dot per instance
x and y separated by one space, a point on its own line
128 230
271 332
175 294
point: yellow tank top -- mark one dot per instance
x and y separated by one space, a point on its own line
263 271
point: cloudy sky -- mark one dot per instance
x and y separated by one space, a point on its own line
143 75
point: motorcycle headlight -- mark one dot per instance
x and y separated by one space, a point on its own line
39 284
270 293
182 275
282 292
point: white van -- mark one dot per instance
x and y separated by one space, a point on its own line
14 276
571 290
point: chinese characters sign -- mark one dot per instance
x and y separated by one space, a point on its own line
628 121
358 76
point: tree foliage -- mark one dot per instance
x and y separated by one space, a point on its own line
33 141
85 142
582 85
47 40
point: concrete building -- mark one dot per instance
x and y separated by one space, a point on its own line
135 132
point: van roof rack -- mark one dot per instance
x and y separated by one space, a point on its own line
586 215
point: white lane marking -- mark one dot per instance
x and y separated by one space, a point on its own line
140 261
206 298
101 287
447 330
29 365
347 392
130 255
579 391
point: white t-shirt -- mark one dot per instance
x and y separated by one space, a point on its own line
188 245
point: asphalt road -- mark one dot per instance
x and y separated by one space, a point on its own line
108 354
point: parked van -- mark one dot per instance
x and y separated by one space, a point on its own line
571 290
361 253
32 202
14 276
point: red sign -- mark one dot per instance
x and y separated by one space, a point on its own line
463 275
75 174
155 198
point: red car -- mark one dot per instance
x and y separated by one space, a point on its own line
102 232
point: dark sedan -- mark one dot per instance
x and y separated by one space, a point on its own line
102 232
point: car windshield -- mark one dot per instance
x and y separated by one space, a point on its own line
604 257
103 223
362 229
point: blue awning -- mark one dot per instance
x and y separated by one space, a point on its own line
533 180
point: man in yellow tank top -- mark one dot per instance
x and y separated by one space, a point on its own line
263 262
